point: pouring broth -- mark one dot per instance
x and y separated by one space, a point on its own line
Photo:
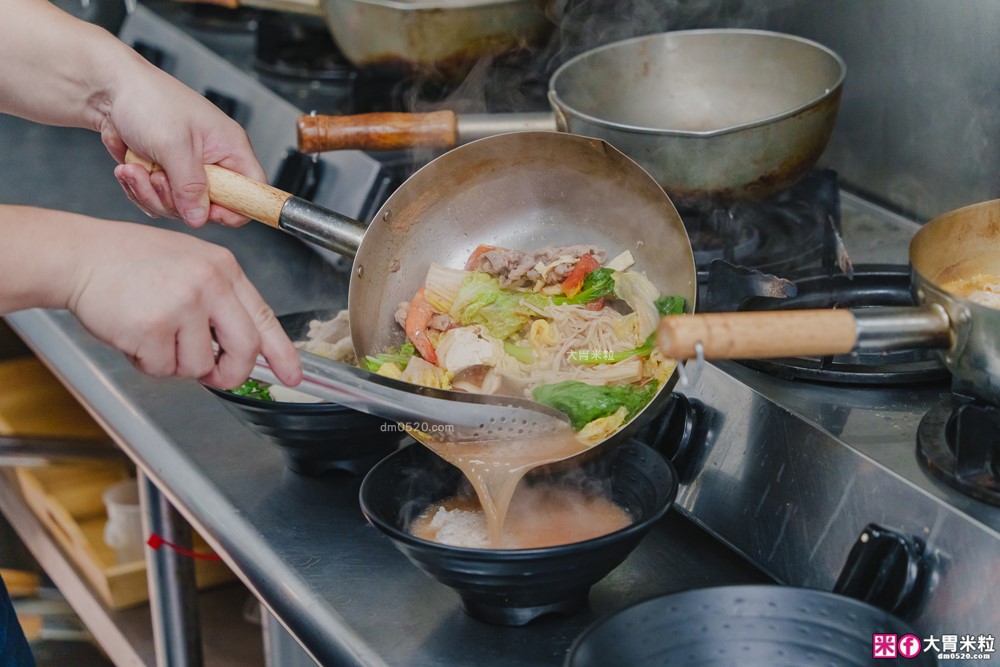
539 516
560 325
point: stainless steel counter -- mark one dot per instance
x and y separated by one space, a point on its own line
300 544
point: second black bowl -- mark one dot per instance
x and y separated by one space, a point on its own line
515 586
316 438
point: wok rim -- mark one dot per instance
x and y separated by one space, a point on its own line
563 108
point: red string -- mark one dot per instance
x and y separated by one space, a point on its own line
155 541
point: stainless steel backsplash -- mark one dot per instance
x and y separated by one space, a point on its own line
919 125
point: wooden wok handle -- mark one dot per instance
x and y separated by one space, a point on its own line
255 200
758 335
377 131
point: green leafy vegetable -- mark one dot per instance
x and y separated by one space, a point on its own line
480 300
584 403
399 356
523 354
598 283
670 305
595 358
253 389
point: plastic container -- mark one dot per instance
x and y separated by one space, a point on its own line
123 531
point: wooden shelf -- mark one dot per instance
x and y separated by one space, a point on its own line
127 635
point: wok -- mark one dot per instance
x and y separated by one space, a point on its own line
440 38
959 244
523 190
711 114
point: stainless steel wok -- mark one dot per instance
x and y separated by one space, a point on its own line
957 245
711 114
523 190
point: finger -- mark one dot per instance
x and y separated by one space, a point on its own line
188 182
132 198
195 357
281 354
225 217
141 186
157 353
161 186
113 142
238 340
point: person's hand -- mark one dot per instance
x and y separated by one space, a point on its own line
165 121
161 296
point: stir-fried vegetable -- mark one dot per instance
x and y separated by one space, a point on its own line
399 356
573 283
583 403
670 305
597 283
253 389
481 301
640 294
519 352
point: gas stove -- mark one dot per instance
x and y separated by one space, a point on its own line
788 461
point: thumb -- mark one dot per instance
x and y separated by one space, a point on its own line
188 183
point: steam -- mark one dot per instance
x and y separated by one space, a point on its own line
517 82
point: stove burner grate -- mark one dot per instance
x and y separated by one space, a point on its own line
872 285
785 232
958 443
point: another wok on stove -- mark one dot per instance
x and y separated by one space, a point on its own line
710 114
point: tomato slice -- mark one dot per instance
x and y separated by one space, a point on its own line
574 281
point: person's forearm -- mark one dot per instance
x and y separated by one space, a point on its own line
38 257
56 69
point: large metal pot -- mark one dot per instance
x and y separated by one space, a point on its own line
711 114
956 245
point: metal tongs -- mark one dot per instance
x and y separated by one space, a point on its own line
424 412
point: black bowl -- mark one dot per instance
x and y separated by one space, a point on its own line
741 625
316 438
513 587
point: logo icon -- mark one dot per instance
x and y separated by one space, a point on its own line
908 646
884 646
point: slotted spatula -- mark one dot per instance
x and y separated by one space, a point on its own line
437 414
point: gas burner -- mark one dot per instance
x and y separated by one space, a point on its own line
788 231
957 442
298 49
872 285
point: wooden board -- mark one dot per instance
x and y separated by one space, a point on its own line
67 498
33 402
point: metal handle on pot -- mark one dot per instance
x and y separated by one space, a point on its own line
276 208
763 335
887 569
